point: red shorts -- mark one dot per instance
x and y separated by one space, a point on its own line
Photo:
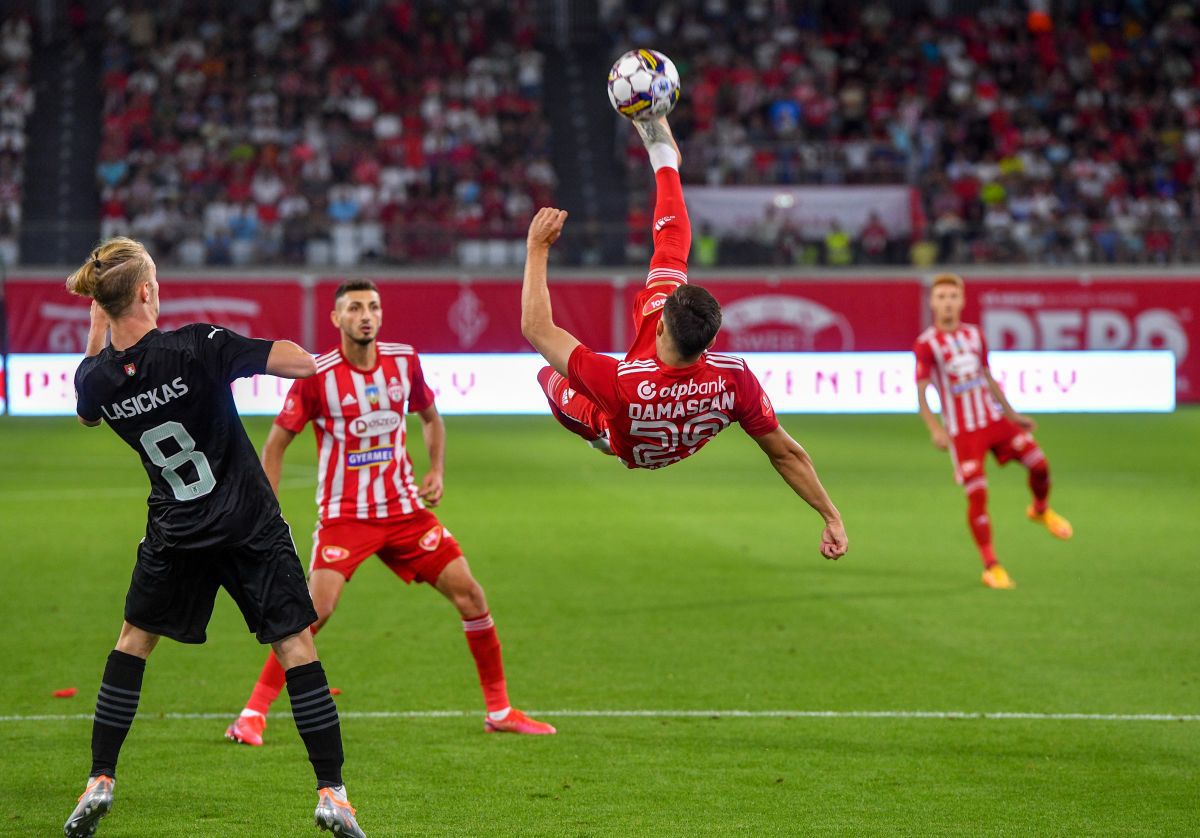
1004 438
577 413
416 546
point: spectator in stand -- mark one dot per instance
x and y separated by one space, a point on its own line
839 251
296 131
1075 140
873 241
16 106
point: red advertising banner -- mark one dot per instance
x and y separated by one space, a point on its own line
43 317
448 316
1057 314
827 316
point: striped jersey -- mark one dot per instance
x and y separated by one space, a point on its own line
363 470
658 415
955 362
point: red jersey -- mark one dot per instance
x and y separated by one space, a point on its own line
955 362
364 470
655 414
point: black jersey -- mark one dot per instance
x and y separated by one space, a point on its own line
168 397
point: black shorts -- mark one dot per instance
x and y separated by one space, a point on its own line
173 590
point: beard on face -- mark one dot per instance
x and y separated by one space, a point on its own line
363 341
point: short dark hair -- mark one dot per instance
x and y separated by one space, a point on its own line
692 317
354 285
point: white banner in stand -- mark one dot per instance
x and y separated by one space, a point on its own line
811 209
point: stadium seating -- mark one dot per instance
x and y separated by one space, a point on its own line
398 132
16 104
1070 146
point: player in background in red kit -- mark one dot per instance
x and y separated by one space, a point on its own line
670 395
368 501
976 419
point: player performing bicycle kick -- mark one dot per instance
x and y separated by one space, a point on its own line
670 395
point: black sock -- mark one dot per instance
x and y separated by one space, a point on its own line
317 720
116 705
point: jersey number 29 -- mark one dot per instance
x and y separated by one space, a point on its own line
187 453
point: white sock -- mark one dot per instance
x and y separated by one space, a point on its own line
499 715
663 155
249 712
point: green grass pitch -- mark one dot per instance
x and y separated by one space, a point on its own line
694 588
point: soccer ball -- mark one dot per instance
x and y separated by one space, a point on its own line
643 84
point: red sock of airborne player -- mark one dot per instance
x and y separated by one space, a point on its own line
485 648
270 684
672 229
1039 484
980 524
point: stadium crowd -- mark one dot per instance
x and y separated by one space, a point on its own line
16 104
321 132
1028 141
408 131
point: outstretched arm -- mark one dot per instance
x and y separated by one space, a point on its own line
537 317
288 360
796 468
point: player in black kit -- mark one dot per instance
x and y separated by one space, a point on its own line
213 520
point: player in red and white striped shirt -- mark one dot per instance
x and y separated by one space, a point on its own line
976 419
367 498
671 395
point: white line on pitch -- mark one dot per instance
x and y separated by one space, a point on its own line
688 714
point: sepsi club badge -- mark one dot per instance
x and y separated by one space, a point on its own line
130 370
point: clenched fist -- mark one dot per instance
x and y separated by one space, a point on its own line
546 227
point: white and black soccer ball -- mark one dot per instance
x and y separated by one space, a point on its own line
643 84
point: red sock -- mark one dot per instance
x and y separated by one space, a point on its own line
485 647
1039 484
978 521
672 229
270 684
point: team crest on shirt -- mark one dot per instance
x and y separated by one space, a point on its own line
432 539
372 394
130 370
395 390
969 467
334 554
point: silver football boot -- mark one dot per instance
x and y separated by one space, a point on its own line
335 814
95 802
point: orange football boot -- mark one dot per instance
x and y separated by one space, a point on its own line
517 722
997 577
247 730
1059 526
